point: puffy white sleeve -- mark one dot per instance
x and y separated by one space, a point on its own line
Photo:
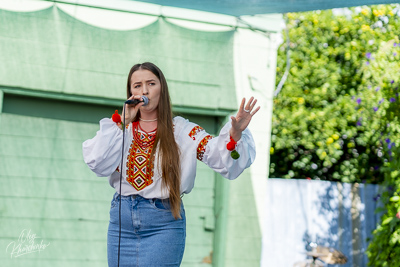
213 152
218 157
102 153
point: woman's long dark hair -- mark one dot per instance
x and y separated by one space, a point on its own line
168 153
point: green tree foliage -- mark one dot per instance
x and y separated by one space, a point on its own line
381 71
337 116
317 129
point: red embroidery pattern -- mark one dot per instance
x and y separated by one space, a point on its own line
139 171
195 131
201 148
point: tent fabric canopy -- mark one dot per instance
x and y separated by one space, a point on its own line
49 50
253 7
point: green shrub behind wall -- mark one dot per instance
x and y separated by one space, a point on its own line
336 117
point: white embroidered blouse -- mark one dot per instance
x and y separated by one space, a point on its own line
103 156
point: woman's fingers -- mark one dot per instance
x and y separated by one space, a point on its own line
245 114
255 111
248 105
131 109
253 103
242 104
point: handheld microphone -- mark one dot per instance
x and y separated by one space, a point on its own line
145 101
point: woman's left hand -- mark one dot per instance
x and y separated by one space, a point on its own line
243 118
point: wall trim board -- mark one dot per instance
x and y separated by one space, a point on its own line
1 100
105 101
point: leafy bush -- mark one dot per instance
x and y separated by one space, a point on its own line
317 131
337 116
381 71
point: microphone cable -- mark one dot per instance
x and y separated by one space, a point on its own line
120 181
146 101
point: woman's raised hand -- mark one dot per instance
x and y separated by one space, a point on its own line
243 118
131 109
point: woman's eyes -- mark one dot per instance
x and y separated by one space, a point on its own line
138 85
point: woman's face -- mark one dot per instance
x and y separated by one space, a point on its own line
144 82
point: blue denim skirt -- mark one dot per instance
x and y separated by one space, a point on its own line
150 235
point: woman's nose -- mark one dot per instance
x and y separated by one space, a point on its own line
145 91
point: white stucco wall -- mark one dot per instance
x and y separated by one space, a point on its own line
255 66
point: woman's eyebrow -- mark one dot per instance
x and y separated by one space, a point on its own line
151 80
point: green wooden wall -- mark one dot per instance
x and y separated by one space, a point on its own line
47 188
243 241
58 77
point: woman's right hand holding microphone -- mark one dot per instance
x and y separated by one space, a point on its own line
131 109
